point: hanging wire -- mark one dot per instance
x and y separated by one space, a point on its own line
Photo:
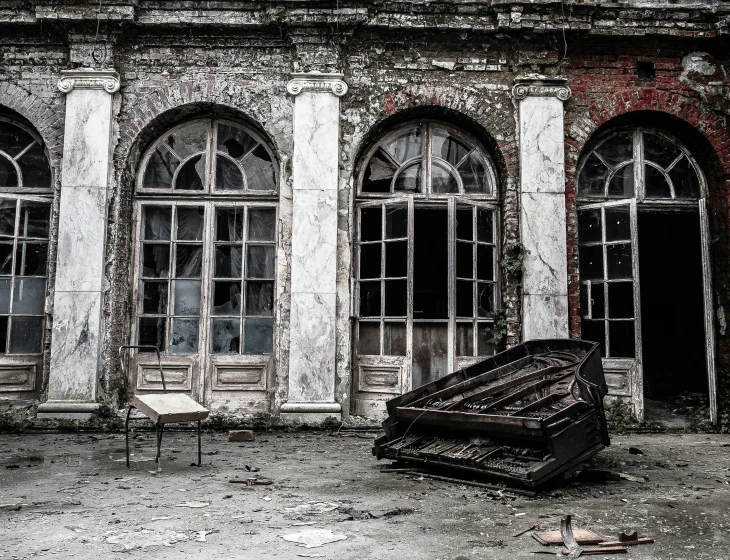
99 55
565 40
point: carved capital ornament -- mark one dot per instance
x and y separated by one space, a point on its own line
316 82
108 80
540 86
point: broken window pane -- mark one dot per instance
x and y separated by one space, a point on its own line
395 298
157 223
226 298
485 262
370 224
485 347
370 299
184 338
154 298
228 261
228 176
30 259
189 140
447 147
621 300
409 179
7 217
261 224
590 262
229 224
258 336
394 339
233 141
618 225
26 335
622 183
155 260
656 183
617 149
442 180
260 261
685 180
29 296
589 226
188 260
13 139
160 169
464 260
464 226
474 175
464 339
485 299
485 225
3 334
6 257
190 223
464 299
378 175
34 218
8 174
5 296
430 352
187 297
404 146
595 331
370 260
584 309
396 259
659 150
34 168
592 179
152 331
260 298
396 222
618 259
225 336
259 169
598 298
191 176
621 338
368 342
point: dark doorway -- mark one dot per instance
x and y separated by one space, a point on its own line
672 305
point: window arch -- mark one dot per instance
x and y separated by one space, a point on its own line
641 163
23 159
208 156
427 158
205 258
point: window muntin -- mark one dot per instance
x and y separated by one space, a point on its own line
23 161
24 232
642 163
207 286
427 159
208 156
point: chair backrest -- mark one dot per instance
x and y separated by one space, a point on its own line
123 353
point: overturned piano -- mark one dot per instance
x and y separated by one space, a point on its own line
526 415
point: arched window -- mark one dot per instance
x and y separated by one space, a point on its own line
25 177
206 254
426 256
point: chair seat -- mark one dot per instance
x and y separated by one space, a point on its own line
169 407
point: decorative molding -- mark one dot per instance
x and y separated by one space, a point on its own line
537 85
316 82
108 80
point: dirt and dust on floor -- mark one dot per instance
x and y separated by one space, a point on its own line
322 494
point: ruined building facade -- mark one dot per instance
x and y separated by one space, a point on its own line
311 206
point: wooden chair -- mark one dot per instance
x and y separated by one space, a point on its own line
165 408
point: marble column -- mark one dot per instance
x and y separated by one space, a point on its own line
315 170
542 206
76 336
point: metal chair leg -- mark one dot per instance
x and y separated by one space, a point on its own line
126 433
199 453
158 459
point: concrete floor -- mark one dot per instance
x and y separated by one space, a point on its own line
79 501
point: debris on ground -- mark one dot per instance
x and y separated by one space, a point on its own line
251 481
203 534
313 538
635 451
193 504
525 415
241 435
312 508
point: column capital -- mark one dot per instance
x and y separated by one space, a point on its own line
88 78
316 82
537 85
